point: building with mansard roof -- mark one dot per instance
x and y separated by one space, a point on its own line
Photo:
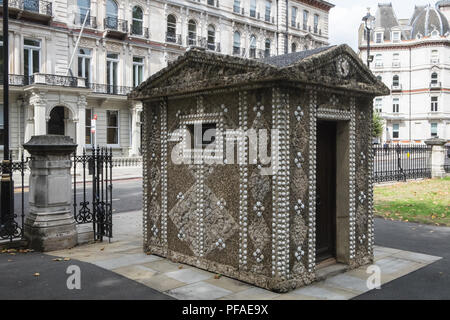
122 43
412 57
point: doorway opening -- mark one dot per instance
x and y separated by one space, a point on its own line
56 124
332 192
326 191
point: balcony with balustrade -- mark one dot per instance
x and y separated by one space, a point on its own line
91 21
109 89
173 38
435 85
115 28
39 11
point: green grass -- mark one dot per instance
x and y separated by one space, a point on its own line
426 201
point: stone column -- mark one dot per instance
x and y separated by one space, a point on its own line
437 157
135 130
50 225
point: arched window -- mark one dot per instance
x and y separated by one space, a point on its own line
171 35
396 81
211 37
379 78
83 7
237 43
252 46
192 33
138 21
267 48
111 20
434 78
293 47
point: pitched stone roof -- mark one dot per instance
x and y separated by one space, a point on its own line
199 70
291 58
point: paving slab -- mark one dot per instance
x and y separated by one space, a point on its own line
198 291
189 275
126 260
253 293
322 292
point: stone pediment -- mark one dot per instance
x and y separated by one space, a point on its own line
336 66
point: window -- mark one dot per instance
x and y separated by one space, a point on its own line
171 28
379 105
379 78
111 21
395 130
294 17
293 47
252 46
112 60
32 56
138 21
211 2
138 71
88 125
379 60
267 48
83 7
202 135
316 23
396 105
237 6
84 64
112 127
434 56
434 104
396 60
379 37
211 37
253 8
305 19
192 32
396 36
268 9
236 43
2 127
434 129
434 78
395 81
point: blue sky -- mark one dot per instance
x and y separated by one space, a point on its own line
346 17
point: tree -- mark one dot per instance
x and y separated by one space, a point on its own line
377 127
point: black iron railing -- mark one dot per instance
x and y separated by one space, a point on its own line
113 23
401 162
110 89
36 6
15 80
11 223
95 203
173 38
91 22
447 159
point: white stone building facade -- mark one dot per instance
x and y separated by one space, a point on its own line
122 44
412 57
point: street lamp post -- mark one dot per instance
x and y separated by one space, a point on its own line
7 185
369 22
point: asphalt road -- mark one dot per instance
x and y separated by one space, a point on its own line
431 282
127 196
18 280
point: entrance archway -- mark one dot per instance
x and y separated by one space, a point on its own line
56 124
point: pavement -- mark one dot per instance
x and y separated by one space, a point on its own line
124 256
430 282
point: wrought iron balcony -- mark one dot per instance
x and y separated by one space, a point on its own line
139 30
91 22
236 51
396 64
36 10
173 38
110 89
54 80
213 46
191 41
435 85
115 27
396 87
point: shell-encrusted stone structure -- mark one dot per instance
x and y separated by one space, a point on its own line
229 218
